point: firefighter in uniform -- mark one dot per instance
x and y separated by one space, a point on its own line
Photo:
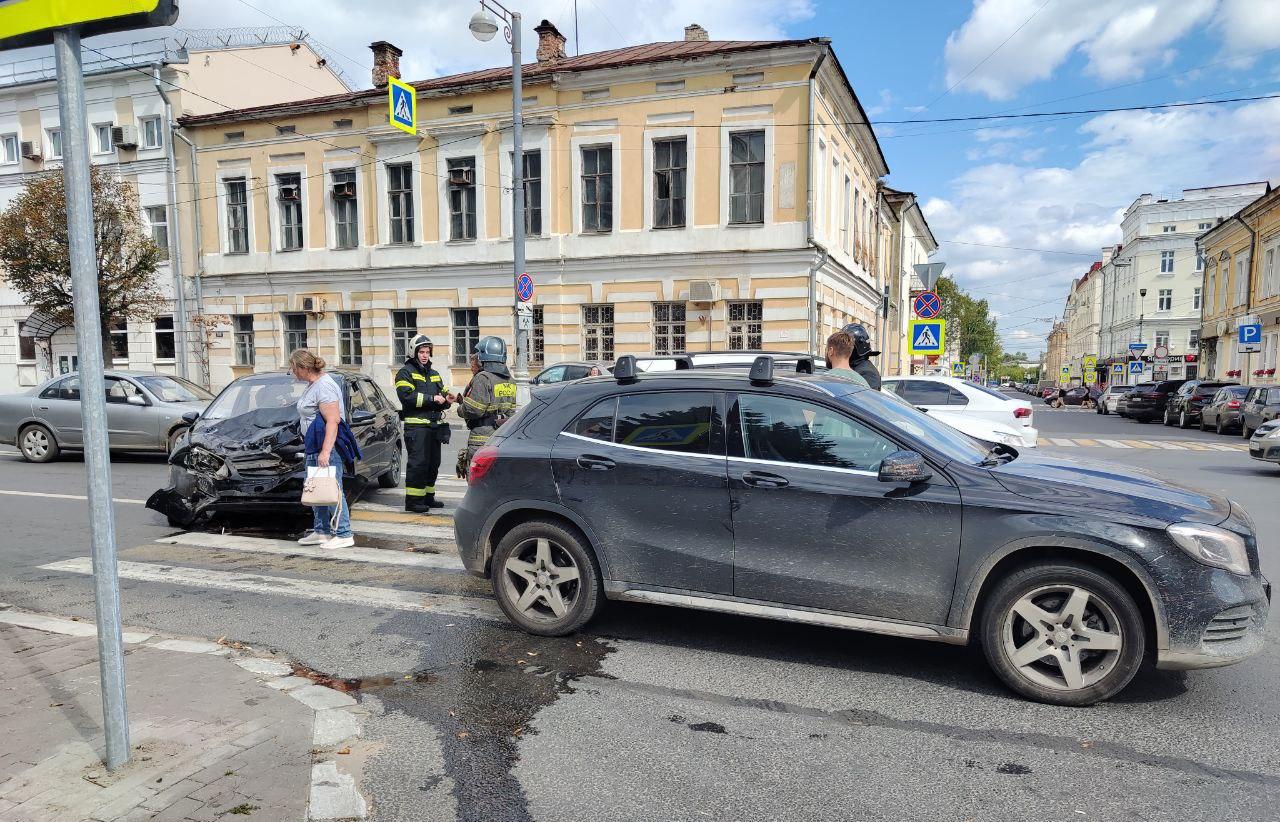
489 400
424 397
862 354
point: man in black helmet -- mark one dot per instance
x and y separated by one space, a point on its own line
489 400
423 400
862 353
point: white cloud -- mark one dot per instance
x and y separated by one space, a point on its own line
987 135
1119 38
884 104
1247 26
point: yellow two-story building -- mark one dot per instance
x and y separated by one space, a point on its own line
680 196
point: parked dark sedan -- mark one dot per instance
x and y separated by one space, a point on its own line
806 498
1261 405
1122 407
1148 403
1222 413
244 453
1185 405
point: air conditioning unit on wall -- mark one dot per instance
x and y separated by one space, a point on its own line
31 151
704 291
124 136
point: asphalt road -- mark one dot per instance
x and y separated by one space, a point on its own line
662 714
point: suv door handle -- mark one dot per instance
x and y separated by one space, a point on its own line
593 463
762 479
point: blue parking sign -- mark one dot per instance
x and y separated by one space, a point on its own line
1250 338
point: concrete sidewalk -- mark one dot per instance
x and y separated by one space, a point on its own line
214 736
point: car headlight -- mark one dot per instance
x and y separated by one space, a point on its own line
1273 434
1211 546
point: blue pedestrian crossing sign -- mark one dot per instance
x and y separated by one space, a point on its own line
1117 368
957 369
1136 366
928 337
402 105
1250 338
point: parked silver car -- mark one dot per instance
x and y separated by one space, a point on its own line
146 411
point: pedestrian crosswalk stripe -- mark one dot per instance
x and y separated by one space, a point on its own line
403 517
397 529
1057 441
1152 444
280 547
1137 444
336 592
1114 444
1086 443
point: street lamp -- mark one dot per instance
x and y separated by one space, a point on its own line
483 26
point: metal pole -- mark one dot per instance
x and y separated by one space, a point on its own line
93 397
521 370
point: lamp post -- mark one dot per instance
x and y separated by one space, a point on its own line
484 26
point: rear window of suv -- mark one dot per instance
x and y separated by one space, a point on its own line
681 421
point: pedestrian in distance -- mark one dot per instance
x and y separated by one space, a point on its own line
424 398
331 525
490 398
862 354
839 352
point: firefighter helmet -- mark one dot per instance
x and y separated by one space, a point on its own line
861 341
419 341
491 349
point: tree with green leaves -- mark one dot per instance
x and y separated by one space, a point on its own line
970 327
35 251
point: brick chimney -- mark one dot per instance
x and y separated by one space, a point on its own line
550 43
386 62
695 33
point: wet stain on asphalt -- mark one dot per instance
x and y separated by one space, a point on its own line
1013 768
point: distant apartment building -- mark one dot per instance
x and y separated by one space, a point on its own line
133 93
911 243
1242 286
1055 356
680 196
1083 320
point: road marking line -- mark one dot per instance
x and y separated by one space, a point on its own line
403 517
1138 444
337 592
1057 441
280 547
68 496
433 533
1199 446
1168 445
1087 443
1114 444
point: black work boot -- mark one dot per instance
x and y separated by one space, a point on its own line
415 505
432 502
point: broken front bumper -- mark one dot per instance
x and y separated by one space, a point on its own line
203 482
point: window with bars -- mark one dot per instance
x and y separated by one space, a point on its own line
746 177
166 347
119 340
350 350
346 225
404 327
400 202
669 328
1164 300
746 325
538 339
296 334
597 331
532 171
158 220
670 168
462 198
237 215
242 338
597 189
1166 262
289 199
466 333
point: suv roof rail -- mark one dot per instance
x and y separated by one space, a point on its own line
804 365
762 371
624 370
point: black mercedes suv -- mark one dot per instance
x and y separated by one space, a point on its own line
802 497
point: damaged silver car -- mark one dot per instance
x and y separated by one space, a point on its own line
244 453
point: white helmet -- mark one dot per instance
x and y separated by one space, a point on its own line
419 341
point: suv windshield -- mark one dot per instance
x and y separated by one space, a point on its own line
901 415
256 394
174 389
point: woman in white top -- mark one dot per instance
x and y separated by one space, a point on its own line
322 397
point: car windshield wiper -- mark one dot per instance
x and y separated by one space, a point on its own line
998 455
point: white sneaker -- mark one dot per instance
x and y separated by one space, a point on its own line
339 542
314 538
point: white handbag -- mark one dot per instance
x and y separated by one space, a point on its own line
321 488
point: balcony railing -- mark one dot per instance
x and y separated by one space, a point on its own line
112 58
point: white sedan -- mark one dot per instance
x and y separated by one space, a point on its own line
950 397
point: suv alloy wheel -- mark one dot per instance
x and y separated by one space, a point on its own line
545 578
1063 633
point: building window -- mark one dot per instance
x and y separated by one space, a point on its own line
746 325
466 333
1199 260
400 202
1166 262
158 219
597 189
670 167
1162 339
1195 300
289 197
55 144
295 333
26 345
462 198
1205 226
242 331
538 339
532 177
1164 301
597 331
9 149
346 225
350 351
237 216
1270 285
1193 340
152 134
119 340
1169 229
165 347
1242 280
845 228
668 328
404 327
102 138
746 177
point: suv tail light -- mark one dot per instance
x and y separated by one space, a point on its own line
481 463
1020 412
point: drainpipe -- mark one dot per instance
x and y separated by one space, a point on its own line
175 233
197 275
821 259
1248 294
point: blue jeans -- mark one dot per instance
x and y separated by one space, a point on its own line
323 514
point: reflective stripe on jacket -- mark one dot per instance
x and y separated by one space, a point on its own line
415 386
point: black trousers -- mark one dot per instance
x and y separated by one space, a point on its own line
422 449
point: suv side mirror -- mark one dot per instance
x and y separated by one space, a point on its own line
904 466
136 399
190 417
